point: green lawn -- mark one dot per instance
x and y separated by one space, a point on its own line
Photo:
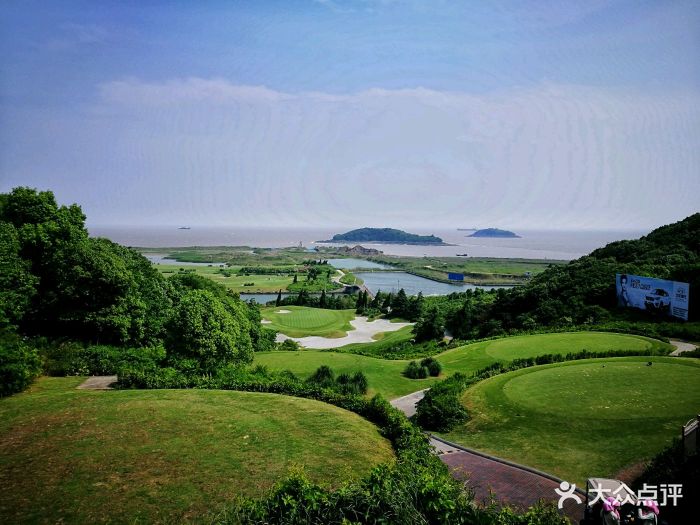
385 376
75 456
302 321
479 355
582 419
261 283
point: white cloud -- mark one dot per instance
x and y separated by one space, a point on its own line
207 151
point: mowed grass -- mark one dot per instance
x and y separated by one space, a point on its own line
582 419
478 355
385 376
260 283
301 321
75 456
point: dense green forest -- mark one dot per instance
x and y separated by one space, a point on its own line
582 292
57 284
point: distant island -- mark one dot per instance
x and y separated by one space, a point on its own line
494 232
385 235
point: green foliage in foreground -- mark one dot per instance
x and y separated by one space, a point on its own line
163 456
59 283
19 364
588 418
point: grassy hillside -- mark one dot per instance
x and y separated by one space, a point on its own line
78 456
584 418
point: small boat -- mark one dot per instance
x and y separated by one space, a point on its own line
184 228
462 255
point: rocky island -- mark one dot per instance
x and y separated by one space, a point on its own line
494 232
386 236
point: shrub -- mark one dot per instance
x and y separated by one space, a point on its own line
415 371
323 377
72 359
19 365
441 409
288 345
355 384
433 366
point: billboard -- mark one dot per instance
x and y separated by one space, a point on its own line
455 276
656 295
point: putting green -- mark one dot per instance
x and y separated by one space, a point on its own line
302 321
583 418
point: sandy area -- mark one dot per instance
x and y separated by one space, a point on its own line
283 312
265 321
363 332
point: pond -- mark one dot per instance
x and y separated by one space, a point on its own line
412 284
351 264
263 298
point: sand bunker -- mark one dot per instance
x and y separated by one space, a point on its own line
265 321
363 333
283 312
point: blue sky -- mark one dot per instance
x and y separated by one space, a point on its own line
512 114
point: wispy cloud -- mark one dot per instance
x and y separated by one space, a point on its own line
550 155
72 36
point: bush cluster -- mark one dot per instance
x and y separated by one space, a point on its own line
77 359
19 364
324 377
427 367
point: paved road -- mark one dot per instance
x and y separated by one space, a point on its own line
407 404
681 346
98 383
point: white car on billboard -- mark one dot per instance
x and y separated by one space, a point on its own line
657 299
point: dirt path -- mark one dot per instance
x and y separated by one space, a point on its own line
98 383
681 346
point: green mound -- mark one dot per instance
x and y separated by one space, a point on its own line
79 456
582 419
302 321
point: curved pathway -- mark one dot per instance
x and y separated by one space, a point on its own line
491 477
681 346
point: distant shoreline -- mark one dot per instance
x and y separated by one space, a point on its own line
342 242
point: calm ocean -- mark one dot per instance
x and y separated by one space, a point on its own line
550 244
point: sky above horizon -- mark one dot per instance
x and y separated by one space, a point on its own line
396 113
